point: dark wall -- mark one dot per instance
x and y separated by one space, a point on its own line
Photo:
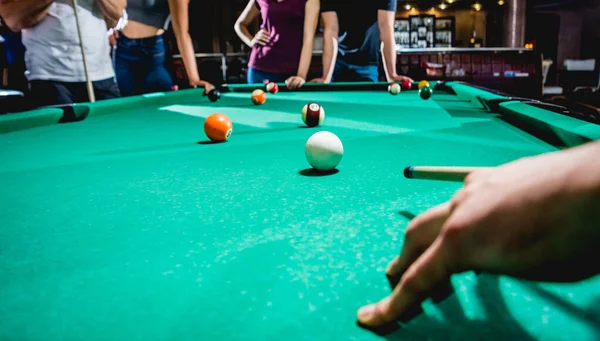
590 38
543 30
579 31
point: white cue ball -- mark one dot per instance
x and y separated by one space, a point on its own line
324 151
394 89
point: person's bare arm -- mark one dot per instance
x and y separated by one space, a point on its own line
180 21
536 218
250 13
330 45
112 9
388 45
311 19
20 14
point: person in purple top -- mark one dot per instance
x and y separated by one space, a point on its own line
282 49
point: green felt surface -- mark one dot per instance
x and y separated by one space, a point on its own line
129 226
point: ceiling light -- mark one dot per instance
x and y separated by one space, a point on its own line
450 1
443 6
500 2
407 7
477 6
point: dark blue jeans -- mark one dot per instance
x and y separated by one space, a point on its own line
140 65
46 93
345 72
259 77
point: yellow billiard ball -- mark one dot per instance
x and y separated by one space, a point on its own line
423 83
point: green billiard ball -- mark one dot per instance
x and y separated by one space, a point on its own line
425 92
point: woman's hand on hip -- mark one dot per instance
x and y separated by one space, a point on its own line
261 38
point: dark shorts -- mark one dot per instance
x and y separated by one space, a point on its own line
46 93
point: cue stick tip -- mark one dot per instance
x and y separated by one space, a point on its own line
408 171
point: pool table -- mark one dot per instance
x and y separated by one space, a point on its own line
119 220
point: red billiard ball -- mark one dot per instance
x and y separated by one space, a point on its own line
273 88
406 84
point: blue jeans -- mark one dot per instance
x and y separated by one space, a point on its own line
48 93
140 65
260 77
344 72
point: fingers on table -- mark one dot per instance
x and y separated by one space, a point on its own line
421 278
420 234
294 82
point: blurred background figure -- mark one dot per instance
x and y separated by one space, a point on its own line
140 54
282 48
53 51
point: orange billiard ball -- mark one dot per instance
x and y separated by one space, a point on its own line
218 127
259 97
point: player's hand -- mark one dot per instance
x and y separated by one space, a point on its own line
295 82
400 78
261 38
318 80
202 84
536 218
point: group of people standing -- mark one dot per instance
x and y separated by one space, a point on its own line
356 35
137 64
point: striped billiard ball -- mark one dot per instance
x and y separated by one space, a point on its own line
272 88
258 97
394 89
313 114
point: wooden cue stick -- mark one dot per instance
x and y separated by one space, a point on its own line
442 173
88 81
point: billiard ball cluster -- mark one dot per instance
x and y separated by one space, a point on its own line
425 91
323 150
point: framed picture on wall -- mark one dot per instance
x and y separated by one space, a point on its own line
444 32
402 33
422 28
